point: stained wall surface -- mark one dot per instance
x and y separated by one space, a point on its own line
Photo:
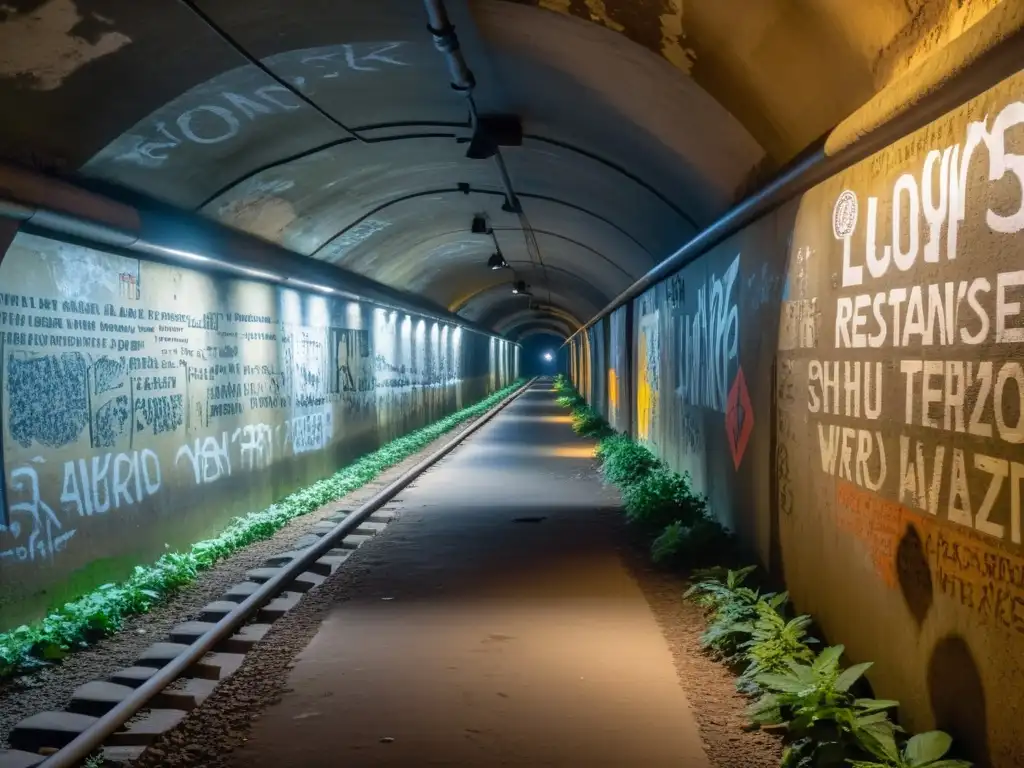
145 405
844 379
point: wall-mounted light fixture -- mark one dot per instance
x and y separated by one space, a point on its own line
519 288
479 227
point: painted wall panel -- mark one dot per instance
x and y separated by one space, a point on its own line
903 349
705 346
844 379
145 405
618 371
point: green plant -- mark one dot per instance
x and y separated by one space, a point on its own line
661 497
588 422
624 462
810 696
773 642
94 760
669 543
571 401
102 612
690 544
926 750
826 724
731 607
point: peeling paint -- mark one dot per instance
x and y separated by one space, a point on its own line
672 36
599 14
596 11
558 6
40 47
931 26
266 217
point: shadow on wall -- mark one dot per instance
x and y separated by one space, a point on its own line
915 577
958 698
955 689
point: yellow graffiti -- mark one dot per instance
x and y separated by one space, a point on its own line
613 395
646 394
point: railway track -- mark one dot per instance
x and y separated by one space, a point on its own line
120 715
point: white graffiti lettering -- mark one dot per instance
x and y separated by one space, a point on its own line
936 397
222 114
43 536
109 481
256 442
209 458
931 314
310 432
942 201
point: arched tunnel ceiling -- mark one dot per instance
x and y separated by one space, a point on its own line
642 121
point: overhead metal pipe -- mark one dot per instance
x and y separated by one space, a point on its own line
989 68
446 41
57 208
462 80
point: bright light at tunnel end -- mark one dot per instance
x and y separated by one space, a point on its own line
548 356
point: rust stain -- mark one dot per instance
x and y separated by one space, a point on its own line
613 394
876 522
41 47
965 567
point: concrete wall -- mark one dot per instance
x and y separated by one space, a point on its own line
145 405
845 380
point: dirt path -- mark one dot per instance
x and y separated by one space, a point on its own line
51 688
501 620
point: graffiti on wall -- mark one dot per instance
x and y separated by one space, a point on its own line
708 348
648 377
233 104
923 402
613 397
961 565
113 399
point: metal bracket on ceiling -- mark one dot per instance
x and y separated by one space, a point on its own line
447 42
492 132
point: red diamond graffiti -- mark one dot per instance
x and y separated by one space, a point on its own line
739 418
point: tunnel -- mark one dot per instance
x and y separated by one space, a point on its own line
256 255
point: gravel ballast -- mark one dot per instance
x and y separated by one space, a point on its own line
207 737
51 688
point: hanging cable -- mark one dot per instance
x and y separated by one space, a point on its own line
533 247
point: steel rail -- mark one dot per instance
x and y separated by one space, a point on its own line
93 738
